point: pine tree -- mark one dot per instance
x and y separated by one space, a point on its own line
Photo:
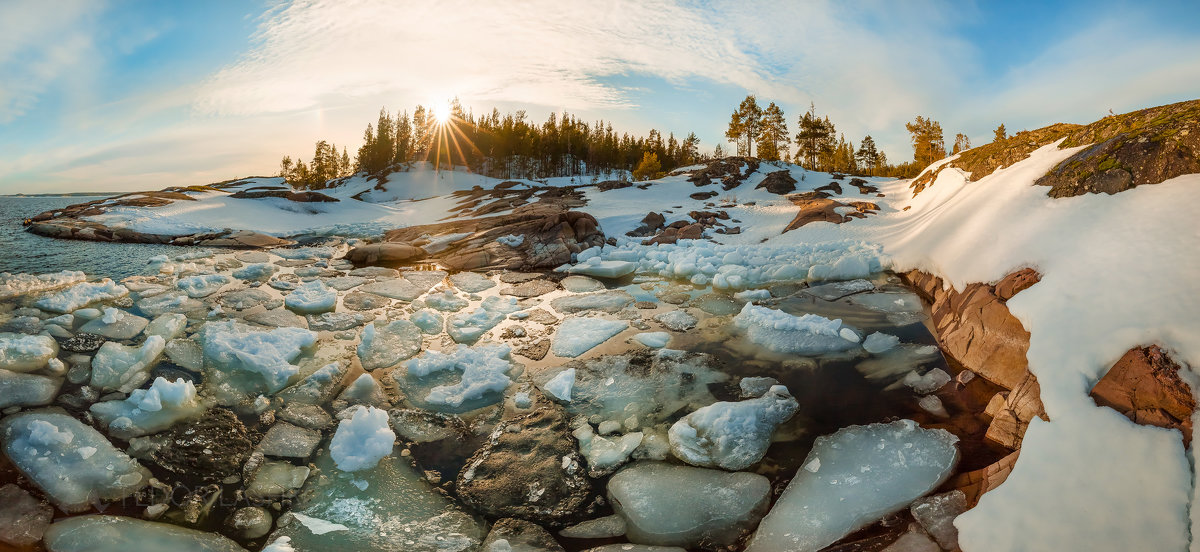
420 132
648 168
1000 133
736 130
868 155
404 139
961 143
927 140
751 118
718 152
815 141
773 140
689 152
285 167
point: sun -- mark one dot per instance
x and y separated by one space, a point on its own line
441 113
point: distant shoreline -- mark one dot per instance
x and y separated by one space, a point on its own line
68 194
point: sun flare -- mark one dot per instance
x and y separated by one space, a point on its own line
441 113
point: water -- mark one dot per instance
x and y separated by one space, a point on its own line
21 251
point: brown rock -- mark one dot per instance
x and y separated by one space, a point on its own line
1011 419
1145 386
691 232
536 350
778 182
386 254
980 481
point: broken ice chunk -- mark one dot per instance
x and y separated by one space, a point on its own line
484 376
311 298
202 285
81 295
19 389
247 360
363 440
560 385
865 473
387 345
116 324
784 333
576 336
731 435
104 533
122 368
26 353
151 410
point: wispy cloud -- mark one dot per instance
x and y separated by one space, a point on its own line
39 43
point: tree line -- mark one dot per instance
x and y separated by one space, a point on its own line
501 146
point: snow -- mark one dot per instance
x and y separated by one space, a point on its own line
484 370
781 332
311 298
81 295
363 440
46 447
26 353
576 336
654 340
684 506
151 410
560 385
511 240
858 475
731 435
232 349
387 345
203 285
12 285
125 368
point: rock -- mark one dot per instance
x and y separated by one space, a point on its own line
212 447
778 183
518 535
532 288
22 517
83 343
664 504
527 469
581 284
536 350
1020 406
1146 387
936 515
817 207
289 441
974 483
251 522
386 254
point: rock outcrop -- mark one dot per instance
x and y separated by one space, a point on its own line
728 170
1145 386
817 206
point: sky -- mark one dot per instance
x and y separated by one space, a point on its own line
124 95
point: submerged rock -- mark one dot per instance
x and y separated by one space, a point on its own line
664 504
518 535
211 447
528 469
22 517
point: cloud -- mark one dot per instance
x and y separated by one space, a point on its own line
40 42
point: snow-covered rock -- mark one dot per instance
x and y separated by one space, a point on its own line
125 368
852 478
781 332
363 440
26 353
383 346
731 435
311 298
81 295
71 462
665 504
151 410
576 336
105 533
484 376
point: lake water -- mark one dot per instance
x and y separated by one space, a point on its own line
21 251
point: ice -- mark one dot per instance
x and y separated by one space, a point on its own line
649 387
276 480
879 342
752 295
46 446
484 369
26 353
396 288
731 435
936 515
677 320
167 326
781 332
81 295
605 454
248 298
836 290
861 474
576 336
933 405
125 368
318 387
599 528
560 385
116 324
252 361
603 269
666 504
12 285
20 389
168 302
256 272
511 240
581 284
913 541
311 298
604 301
471 282
285 440
429 321
384 346
898 360
655 340
203 285
186 353
151 410
929 382
446 301
468 327
397 511
363 440
23 517
105 533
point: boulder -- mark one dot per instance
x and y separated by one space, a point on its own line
386 254
778 183
1145 386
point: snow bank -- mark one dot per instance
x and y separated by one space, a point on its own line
363 440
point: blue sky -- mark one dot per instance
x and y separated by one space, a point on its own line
126 95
